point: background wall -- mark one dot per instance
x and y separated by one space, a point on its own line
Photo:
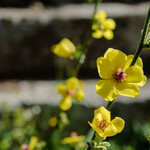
26 35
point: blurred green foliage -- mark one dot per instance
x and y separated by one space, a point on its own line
19 124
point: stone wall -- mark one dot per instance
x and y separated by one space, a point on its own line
47 3
26 36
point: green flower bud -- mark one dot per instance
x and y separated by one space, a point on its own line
101 147
93 144
106 144
63 120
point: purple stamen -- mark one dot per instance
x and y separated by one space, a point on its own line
70 92
120 75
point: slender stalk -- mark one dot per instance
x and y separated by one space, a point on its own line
137 53
87 42
140 46
109 104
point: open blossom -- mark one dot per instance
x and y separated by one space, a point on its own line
103 124
74 138
65 48
72 89
102 26
118 77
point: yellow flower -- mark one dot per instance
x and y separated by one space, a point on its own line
65 48
52 121
32 143
72 89
103 125
118 76
102 26
74 138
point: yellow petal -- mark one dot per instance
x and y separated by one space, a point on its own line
128 89
97 34
70 140
104 113
78 95
109 24
72 83
143 81
110 131
97 119
33 142
104 68
100 15
95 27
129 60
134 74
106 89
62 89
115 126
108 34
65 103
118 124
116 58
109 50
65 48
97 129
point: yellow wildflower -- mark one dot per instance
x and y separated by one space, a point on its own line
65 48
102 26
52 121
118 76
32 143
103 125
72 89
74 138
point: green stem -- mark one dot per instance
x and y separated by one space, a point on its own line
109 104
140 45
137 53
86 43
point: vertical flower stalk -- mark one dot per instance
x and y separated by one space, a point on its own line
86 43
99 123
141 43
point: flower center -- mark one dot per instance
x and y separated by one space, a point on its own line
120 75
103 125
73 134
70 92
24 147
101 27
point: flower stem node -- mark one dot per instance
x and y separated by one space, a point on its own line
63 120
97 144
